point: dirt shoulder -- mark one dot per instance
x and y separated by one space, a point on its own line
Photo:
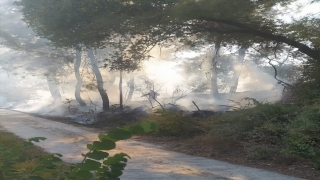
205 146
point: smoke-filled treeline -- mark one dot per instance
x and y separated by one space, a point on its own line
61 55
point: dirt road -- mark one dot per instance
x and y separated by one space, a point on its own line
147 161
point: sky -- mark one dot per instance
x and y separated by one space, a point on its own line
299 10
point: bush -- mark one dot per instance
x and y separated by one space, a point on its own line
304 135
303 94
172 123
293 129
263 123
265 130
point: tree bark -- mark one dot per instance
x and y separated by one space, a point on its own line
78 77
120 90
53 88
96 71
131 89
214 76
236 75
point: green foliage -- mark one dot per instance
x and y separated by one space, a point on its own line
306 93
173 123
265 122
21 160
304 135
67 23
294 130
97 164
266 131
93 23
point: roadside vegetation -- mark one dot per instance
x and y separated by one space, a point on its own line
20 160
285 128
286 133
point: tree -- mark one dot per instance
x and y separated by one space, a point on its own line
230 18
72 27
77 64
126 57
33 54
214 75
236 74
95 69
247 18
241 23
131 89
53 88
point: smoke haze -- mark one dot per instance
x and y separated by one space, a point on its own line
32 71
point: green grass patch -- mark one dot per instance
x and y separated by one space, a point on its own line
21 160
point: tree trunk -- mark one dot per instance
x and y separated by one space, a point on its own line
111 81
120 90
236 75
131 89
96 71
214 76
53 88
78 77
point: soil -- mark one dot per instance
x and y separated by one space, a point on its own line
205 146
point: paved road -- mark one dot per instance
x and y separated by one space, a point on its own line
148 162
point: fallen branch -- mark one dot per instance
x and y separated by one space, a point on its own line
158 103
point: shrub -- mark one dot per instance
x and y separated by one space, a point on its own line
304 93
263 123
172 123
304 135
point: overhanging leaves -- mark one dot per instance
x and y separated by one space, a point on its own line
119 134
97 155
89 165
105 144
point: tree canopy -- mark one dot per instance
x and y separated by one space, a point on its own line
67 23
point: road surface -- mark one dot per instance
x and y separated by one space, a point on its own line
148 161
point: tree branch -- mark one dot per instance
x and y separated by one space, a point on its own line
315 54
